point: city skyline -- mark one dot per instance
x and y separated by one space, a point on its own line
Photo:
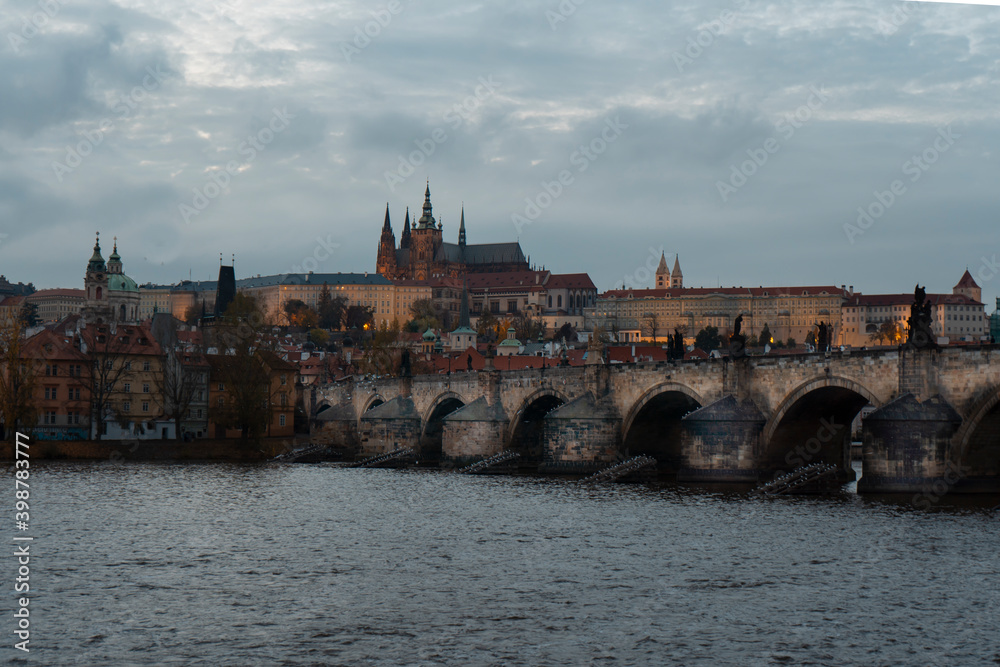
743 137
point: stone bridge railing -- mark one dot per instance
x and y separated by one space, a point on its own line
714 420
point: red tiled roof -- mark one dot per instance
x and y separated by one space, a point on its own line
875 300
967 281
570 281
817 290
58 291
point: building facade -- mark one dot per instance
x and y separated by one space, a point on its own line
422 253
956 317
55 304
634 315
63 385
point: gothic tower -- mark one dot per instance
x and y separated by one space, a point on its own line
662 273
386 262
425 241
676 277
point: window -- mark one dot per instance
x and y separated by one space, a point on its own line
126 406
73 417
512 306
128 365
145 406
281 420
51 393
145 365
221 402
284 399
559 301
49 417
284 379
222 386
198 413
128 387
145 387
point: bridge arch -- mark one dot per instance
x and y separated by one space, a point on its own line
525 433
653 423
372 401
432 426
976 445
812 424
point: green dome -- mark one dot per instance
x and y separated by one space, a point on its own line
119 282
429 335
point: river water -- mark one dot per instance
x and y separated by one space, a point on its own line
181 564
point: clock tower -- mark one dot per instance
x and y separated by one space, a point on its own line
96 306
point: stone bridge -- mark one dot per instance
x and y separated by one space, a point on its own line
936 418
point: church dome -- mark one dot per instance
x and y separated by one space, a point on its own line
119 282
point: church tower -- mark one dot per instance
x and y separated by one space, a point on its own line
676 277
968 286
425 241
386 263
404 238
96 307
662 273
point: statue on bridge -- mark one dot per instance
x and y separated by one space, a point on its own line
404 363
920 335
737 341
823 338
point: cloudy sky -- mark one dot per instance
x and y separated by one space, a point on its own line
743 135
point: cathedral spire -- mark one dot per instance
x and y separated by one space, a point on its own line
404 239
387 226
427 219
461 229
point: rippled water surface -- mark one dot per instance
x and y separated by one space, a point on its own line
158 564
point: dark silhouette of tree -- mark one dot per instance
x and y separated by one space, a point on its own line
18 378
708 339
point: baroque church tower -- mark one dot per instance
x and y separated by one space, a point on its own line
109 294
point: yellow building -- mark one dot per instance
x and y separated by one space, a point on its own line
55 304
359 289
631 315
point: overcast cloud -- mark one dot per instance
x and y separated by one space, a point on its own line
163 95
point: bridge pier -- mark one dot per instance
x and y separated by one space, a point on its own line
720 442
473 433
906 445
393 425
582 436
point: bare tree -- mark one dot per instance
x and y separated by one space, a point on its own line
17 378
109 348
653 324
240 337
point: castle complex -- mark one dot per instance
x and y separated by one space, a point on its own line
422 253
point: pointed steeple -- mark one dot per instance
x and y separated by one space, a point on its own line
662 273
115 260
404 239
387 226
96 262
461 229
676 277
427 219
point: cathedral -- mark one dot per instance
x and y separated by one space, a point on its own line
110 295
422 253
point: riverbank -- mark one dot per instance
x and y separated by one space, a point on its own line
154 450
